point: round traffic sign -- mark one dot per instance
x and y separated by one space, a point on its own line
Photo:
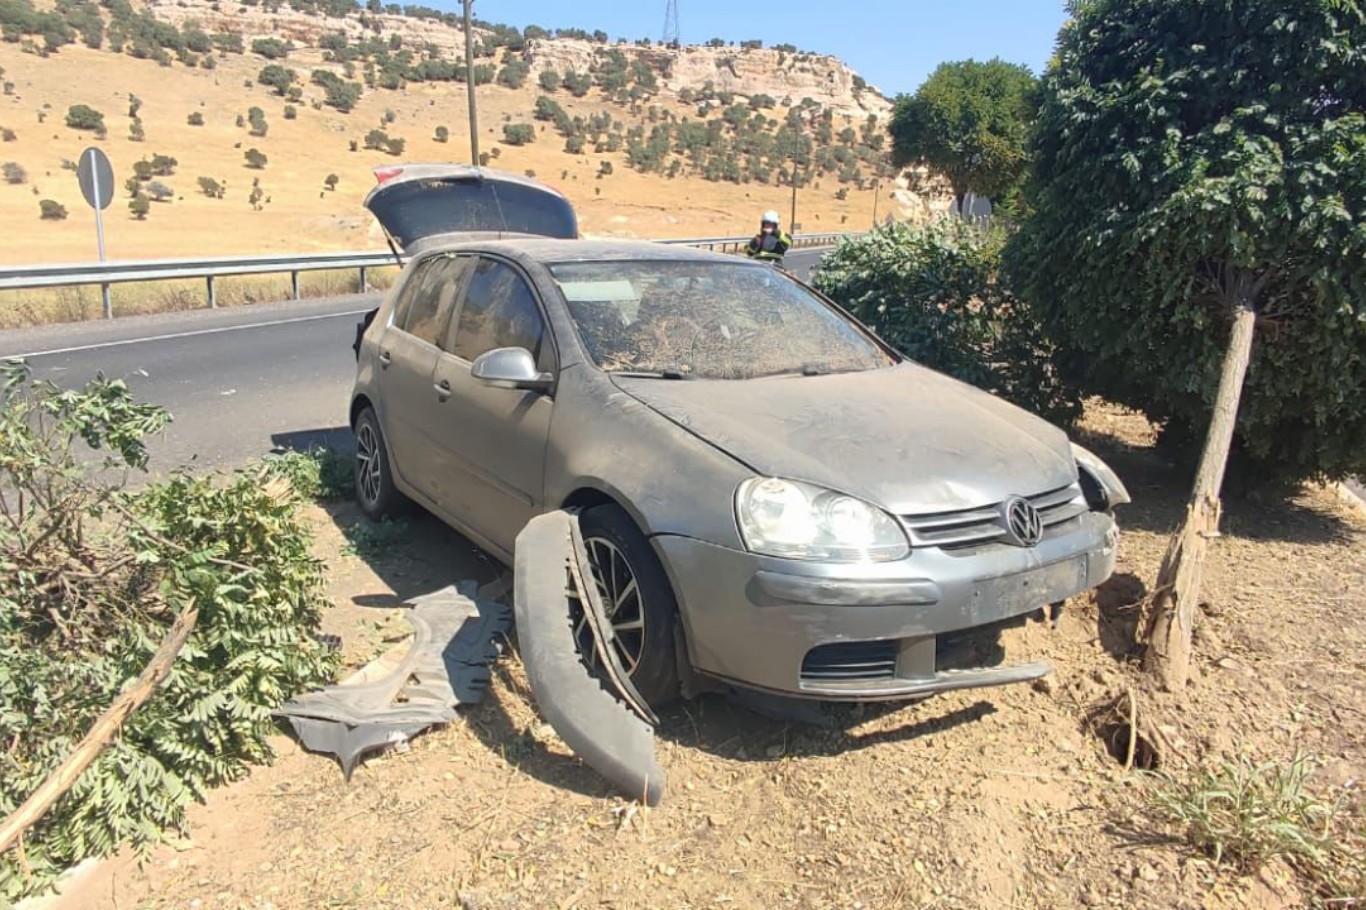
96 175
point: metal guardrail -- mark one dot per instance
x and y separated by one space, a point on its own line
106 274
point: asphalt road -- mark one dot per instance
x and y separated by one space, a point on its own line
238 382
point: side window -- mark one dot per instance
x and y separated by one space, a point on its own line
411 290
431 299
499 312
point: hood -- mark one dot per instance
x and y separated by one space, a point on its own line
905 438
419 202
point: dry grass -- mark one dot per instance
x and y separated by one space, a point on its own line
301 215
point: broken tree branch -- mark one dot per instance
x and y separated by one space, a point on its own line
101 732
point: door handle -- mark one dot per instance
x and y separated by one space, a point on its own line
443 389
384 358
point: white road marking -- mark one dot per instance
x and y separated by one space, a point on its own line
190 334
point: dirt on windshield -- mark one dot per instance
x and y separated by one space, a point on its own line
993 798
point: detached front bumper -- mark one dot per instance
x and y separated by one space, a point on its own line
854 632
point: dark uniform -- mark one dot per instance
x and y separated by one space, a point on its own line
770 245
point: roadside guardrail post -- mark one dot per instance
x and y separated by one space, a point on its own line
294 285
364 282
108 304
213 298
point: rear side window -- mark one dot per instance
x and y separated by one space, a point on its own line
499 312
430 302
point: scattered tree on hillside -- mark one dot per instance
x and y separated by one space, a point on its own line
256 160
549 81
270 48
51 210
376 139
331 181
195 119
518 133
970 122
142 170
84 117
574 145
395 146
256 119
14 174
134 105
513 74
139 206
578 84
136 132
211 188
604 169
1193 188
133 185
163 165
291 113
442 134
277 77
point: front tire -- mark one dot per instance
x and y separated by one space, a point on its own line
638 600
375 491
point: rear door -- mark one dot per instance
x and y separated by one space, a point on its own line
407 356
493 440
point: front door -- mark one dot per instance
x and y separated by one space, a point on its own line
493 440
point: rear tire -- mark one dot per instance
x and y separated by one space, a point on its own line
638 598
375 491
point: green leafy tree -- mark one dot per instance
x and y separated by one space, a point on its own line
1196 190
256 159
163 165
51 210
211 188
969 121
518 133
195 119
331 181
270 48
442 134
376 139
277 77
84 117
549 81
139 206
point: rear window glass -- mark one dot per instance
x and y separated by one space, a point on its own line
420 208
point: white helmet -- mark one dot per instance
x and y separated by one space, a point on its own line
770 217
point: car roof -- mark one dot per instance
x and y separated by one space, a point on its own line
546 250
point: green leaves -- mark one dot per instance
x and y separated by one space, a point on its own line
970 121
934 294
92 575
1185 149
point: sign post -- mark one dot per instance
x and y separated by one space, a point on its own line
96 176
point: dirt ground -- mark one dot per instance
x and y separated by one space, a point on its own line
994 798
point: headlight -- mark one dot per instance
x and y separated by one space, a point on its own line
1111 488
795 520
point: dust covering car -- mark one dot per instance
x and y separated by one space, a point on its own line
770 497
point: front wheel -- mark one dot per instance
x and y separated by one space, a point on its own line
638 600
375 490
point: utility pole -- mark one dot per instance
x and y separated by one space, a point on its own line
877 191
469 85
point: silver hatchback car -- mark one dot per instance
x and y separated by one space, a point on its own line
771 497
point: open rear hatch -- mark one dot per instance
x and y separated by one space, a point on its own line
417 204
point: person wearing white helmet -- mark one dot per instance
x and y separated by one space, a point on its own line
771 242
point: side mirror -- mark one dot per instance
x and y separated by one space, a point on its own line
510 368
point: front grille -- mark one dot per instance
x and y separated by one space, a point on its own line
974 527
851 661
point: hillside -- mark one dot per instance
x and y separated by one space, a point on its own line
646 140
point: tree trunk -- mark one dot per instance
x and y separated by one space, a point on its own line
1178 582
103 730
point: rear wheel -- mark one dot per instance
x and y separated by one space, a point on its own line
375 490
638 600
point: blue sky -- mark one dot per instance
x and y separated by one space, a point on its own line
894 45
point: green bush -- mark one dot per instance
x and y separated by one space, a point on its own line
270 48
934 293
518 133
84 117
92 575
51 210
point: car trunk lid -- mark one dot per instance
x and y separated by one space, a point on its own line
418 204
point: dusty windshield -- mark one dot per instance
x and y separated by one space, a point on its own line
708 320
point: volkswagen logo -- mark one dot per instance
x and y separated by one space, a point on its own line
1023 521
